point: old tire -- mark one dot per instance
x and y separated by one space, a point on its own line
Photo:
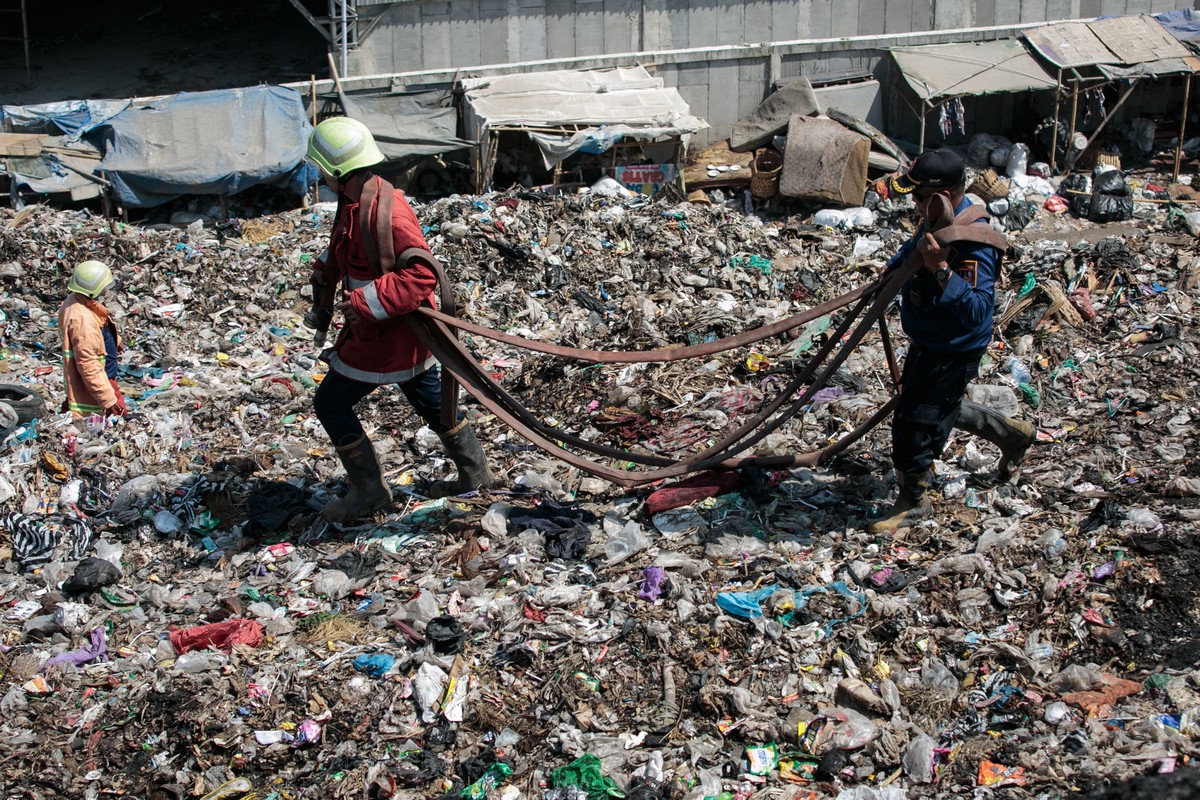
27 403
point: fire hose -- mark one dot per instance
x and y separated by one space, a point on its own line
438 331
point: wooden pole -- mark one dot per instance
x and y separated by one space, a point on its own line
1071 135
1096 134
1187 89
1054 141
313 96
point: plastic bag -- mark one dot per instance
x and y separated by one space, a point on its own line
830 218
1110 181
1110 208
627 541
1018 160
918 759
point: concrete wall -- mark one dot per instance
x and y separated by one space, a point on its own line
433 34
722 55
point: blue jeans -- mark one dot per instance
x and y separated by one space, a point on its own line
337 395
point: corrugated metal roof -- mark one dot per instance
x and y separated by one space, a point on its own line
974 68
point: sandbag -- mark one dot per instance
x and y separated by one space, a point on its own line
824 161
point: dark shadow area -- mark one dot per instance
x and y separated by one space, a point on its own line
138 48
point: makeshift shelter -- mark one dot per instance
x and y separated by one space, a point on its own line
408 125
146 153
569 112
1125 49
939 73
216 143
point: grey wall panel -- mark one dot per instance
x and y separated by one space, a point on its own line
1089 8
985 12
702 26
872 16
560 28
678 15
619 30
493 31
589 28
464 32
896 16
722 99
785 22
1138 7
821 20
1008 12
1033 11
1061 9
753 85
844 19
1112 8
758 22
730 20
531 29
434 41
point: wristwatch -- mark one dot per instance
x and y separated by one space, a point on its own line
942 274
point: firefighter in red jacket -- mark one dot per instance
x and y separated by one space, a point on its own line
376 345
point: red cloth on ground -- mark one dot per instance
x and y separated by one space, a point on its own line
218 636
694 489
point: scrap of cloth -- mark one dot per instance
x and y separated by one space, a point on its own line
566 529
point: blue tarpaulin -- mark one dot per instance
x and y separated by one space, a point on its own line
1183 24
70 117
218 142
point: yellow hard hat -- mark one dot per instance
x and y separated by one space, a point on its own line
90 279
340 145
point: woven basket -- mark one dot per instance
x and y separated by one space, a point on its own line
989 185
1110 159
764 180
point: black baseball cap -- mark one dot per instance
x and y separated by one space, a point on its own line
939 169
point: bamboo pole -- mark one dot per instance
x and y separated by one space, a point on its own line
1187 89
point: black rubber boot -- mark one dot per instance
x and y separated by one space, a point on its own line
466 452
1012 436
368 492
911 505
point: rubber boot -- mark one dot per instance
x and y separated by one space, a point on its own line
911 505
367 491
466 452
1012 436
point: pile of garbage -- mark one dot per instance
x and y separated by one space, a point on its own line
178 622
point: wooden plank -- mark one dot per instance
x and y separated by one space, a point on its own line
531 21
493 31
560 28
464 32
702 26
589 27
21 144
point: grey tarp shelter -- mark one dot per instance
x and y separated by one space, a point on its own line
939 72
569 111
1129 48
408 125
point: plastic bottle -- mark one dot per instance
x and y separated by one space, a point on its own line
1019 371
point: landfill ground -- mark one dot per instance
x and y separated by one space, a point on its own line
559 637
